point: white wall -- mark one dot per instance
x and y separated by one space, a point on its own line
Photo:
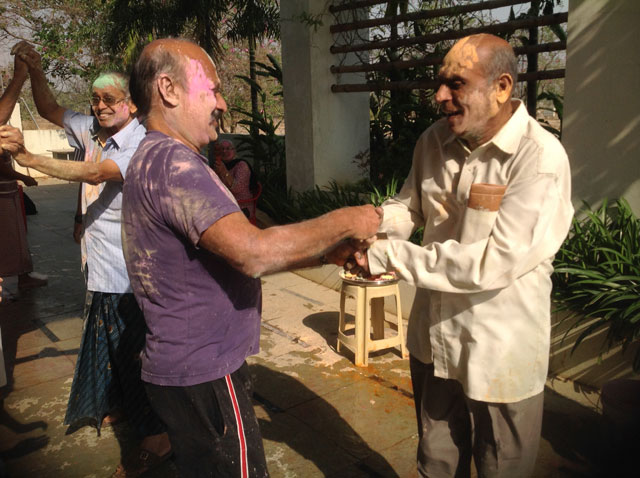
43 142
324 130
601 130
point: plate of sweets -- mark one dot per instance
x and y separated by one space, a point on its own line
359 278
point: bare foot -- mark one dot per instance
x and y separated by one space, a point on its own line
111 419
157 444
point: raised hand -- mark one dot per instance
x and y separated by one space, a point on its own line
20 68
26 53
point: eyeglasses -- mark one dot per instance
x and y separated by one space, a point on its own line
108 101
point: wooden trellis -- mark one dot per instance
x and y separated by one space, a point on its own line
365 45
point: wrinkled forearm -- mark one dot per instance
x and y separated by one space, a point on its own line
43 97
62 169
257 252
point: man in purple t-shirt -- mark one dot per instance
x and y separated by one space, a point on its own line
194 261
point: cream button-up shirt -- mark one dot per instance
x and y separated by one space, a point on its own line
482 309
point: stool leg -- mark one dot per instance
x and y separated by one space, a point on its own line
361 331
377 317
403 346
341 320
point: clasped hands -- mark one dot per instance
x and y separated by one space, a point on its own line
12 141
352 255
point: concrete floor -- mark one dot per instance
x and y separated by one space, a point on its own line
319 414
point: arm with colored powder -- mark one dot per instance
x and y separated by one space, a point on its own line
43 97
257 252
80 171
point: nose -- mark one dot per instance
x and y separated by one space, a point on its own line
221 104
443 94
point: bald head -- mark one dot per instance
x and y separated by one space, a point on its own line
477 78
170 56
485 53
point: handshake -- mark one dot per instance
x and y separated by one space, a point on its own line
352 255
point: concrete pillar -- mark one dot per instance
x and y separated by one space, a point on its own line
601 130
324 130
16 119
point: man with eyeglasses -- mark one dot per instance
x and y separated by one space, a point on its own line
107 377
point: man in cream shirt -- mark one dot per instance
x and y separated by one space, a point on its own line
492 189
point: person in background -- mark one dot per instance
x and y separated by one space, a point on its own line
15 258
492 189
195 260
107 376
234 173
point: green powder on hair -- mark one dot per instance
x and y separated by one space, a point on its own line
109 79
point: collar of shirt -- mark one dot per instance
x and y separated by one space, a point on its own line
119 138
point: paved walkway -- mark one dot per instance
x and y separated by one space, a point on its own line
319 414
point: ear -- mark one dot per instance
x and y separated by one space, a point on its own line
504 87
168 90
132 107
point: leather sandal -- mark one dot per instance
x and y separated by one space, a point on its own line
138 463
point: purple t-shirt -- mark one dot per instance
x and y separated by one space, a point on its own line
202 314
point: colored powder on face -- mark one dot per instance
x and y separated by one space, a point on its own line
462 56
198 80
108 79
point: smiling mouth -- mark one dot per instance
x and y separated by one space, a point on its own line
453 113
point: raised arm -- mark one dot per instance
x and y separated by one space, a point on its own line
12 92
11 140
45 102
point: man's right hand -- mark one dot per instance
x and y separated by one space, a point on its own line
78 231
365 221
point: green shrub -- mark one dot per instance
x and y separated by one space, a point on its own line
597 275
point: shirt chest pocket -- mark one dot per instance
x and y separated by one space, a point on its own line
481 211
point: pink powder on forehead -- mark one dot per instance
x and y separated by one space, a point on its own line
198 80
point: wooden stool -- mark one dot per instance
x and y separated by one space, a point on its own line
369 314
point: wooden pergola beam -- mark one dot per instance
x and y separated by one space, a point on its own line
355 5
429 84
424 15
553 19
437 59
